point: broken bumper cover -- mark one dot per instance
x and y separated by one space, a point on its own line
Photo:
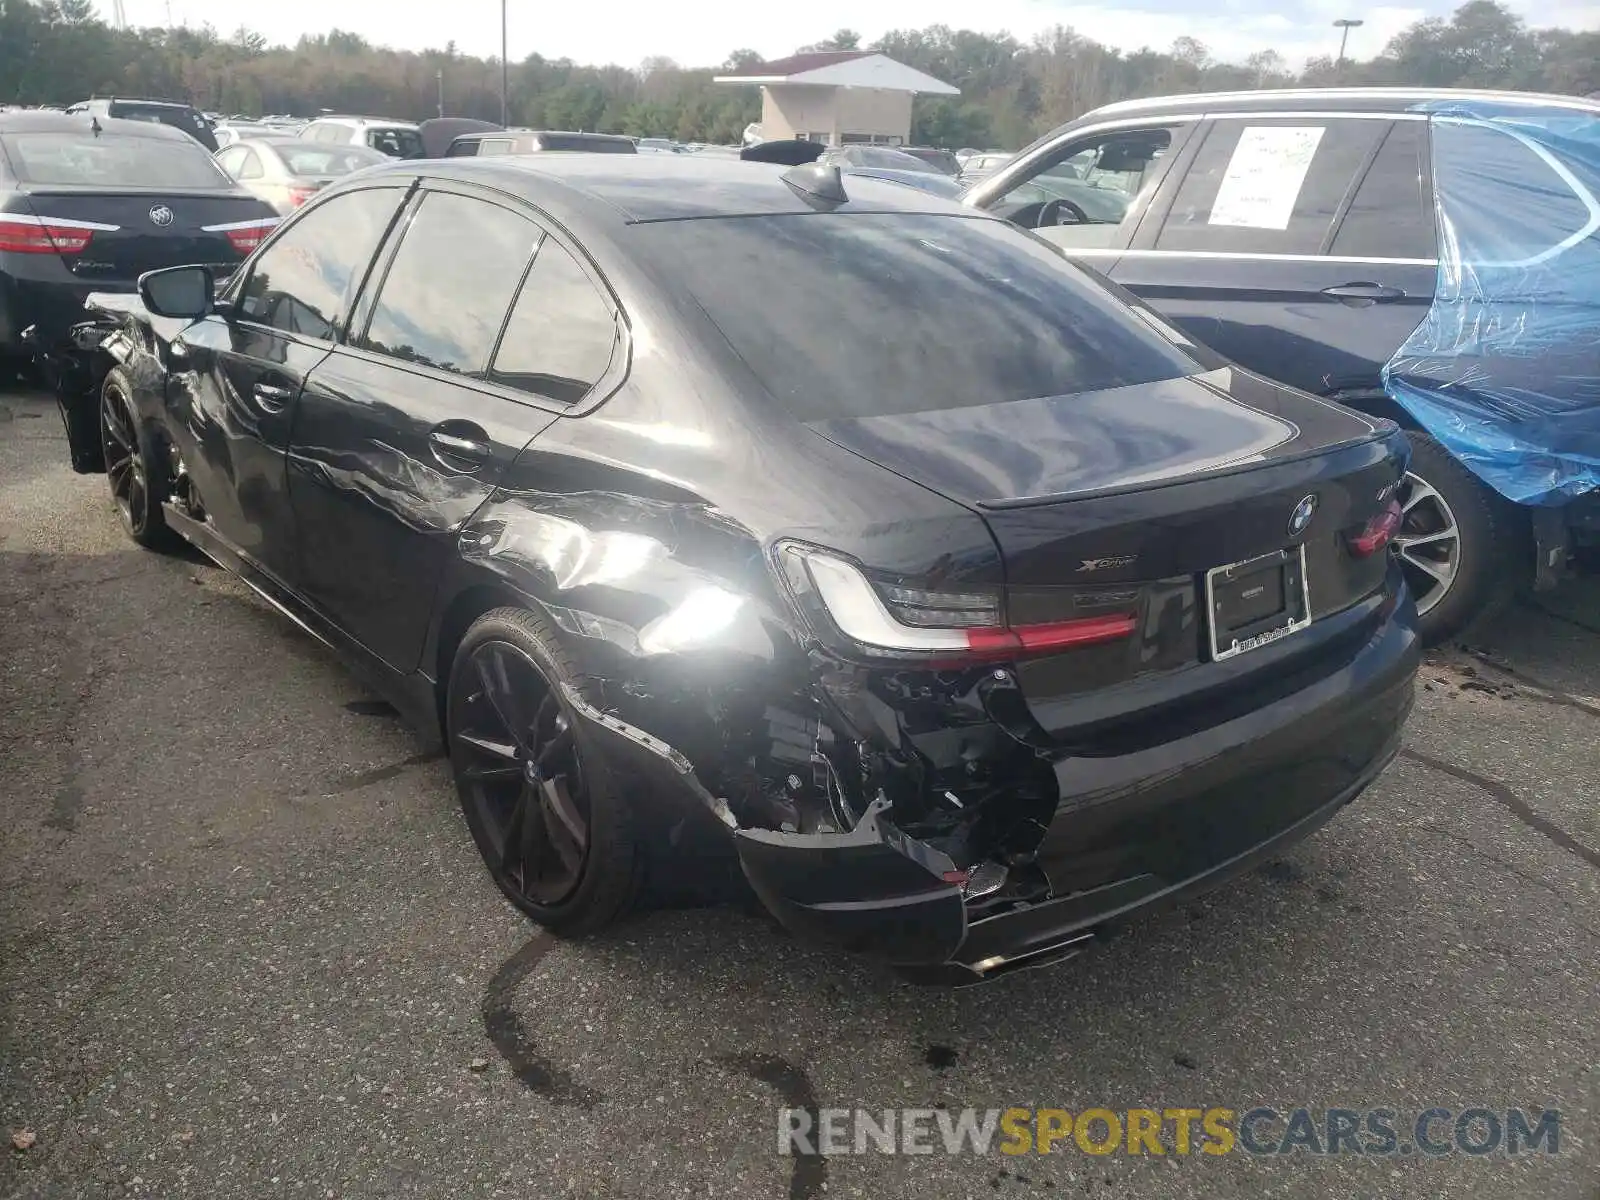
1132 830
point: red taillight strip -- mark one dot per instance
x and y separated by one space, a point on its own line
1056 635
1378 531
244 236
26 234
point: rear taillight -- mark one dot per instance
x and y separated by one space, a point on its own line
244 236
944 627
1377 532
299 195
246 240
41 235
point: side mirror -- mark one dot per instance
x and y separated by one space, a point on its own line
178 291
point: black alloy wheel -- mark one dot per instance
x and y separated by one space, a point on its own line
519 768
129 460
558 834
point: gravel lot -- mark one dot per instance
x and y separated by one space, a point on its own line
247 949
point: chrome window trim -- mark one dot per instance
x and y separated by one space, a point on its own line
1248 255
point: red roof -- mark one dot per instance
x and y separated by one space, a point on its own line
798 64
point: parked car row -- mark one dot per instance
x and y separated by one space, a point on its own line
1296 233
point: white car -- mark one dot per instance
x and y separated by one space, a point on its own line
397 139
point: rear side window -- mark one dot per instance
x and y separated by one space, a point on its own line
1390 216
593 145
561 335
112 161
1269 186
494 146
396 143
305 281
446 294
180 118
250 165
330 160
870 314
1504 201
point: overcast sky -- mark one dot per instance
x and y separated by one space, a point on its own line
628 31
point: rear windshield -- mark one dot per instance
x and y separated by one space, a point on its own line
894 160
396 143
594 145
309 158
869 314
112 161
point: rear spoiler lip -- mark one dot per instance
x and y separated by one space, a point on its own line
1384 430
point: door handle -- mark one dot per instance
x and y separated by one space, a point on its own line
465 449
271 397
1369 292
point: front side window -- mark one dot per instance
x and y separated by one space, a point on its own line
561 335
446 293
1084 194
1269 186
305 281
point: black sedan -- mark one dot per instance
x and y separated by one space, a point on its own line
88 203
712 511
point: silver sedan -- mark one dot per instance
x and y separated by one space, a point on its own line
288 171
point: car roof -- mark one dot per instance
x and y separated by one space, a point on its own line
1353 99
519 131
386 122
297 143
54 122
632 188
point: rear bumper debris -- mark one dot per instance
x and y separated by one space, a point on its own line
1131 830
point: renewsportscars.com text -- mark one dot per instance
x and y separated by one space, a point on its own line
1215 1131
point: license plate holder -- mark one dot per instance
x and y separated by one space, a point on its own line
1257 601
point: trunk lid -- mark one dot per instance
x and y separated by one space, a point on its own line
1128 501
130 236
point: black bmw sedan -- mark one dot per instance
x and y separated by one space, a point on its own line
707 507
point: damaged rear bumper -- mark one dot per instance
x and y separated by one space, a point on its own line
1131 830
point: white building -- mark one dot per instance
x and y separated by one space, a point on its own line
838 97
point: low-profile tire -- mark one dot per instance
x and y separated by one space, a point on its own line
134 469
1462 546
554 828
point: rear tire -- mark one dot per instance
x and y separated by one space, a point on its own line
1462 546
133 467
554 829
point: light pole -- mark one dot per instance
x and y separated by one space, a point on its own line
1344 25
504 118
440 76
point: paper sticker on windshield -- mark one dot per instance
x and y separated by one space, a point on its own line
1264 176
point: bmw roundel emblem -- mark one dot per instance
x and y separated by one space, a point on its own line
161 215
1301 516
